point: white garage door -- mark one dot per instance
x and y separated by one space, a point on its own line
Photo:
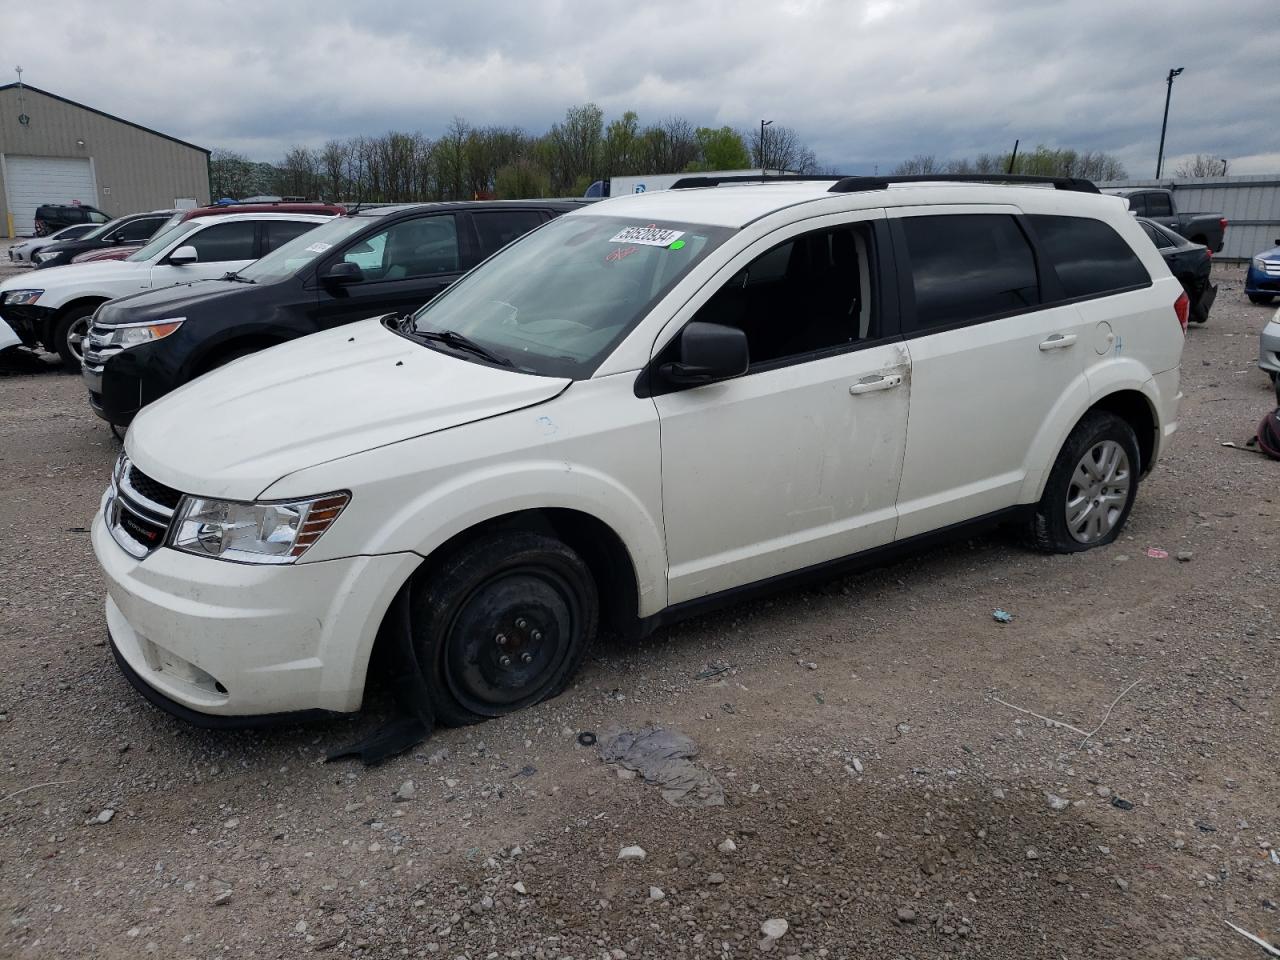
31 181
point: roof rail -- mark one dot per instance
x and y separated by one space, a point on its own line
686 183
855 184
842 184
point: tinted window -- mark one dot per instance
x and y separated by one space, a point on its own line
139 229
968 267
280 232
226 241
1090 257
96 217
411 248
1138 204
1158 205
498 228
1158 236
808 294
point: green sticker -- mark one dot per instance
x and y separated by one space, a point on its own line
677 245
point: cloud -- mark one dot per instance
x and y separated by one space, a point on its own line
864 83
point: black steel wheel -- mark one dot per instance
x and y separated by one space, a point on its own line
502 624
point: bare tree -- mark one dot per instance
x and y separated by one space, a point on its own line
921 163
1202 165
780 149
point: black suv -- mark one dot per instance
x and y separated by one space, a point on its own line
52 217
133 230
368 263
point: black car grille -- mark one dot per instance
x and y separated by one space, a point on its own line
153 490
139 510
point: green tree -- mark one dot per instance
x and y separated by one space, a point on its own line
522 179
720 148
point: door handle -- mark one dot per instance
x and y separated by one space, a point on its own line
875 383
1058 341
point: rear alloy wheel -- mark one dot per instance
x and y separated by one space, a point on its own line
502 624
1091 488
69 336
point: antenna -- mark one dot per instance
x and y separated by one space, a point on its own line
23 119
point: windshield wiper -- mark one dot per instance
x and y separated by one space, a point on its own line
462 342
233 275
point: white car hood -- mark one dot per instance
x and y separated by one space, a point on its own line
234 432
82 274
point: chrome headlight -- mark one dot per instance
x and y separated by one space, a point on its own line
18 298
42 256
277 532
134 334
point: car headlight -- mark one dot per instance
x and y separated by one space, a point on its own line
18 298
134 334
42 256
1259 264
278 532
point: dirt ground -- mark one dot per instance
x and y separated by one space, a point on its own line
881 800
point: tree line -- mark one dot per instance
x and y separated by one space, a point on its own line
1043 161
466 162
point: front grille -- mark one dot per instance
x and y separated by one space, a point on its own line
153 490
1272 267
96 349
139 509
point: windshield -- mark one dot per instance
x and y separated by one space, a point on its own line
162 240
103 230
288 259
558 300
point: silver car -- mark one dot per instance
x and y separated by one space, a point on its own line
1269 351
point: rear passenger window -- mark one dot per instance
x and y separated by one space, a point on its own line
280 232
500 227
969 267
1158 205
811 293
1138 204
1091 259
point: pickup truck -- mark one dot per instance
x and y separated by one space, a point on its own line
1156 203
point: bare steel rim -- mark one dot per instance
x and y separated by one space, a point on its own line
76 335
1098 491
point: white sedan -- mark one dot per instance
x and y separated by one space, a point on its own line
54 307
25 251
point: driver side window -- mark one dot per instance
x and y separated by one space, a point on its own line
424 247
808 294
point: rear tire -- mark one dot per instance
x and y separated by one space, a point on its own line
1091 488
501 624
69 334
1260 297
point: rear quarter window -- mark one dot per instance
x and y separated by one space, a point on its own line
1090 258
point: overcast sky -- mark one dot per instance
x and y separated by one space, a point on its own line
863 82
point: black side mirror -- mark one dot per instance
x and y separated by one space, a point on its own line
343 272
708 352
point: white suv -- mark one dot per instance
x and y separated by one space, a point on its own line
636 411
55 306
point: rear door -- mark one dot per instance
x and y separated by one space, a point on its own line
494 229
404 265
988 361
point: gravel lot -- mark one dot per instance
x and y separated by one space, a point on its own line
880 799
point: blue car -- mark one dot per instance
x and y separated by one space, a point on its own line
1263 279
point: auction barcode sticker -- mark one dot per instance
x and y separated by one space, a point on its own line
650 236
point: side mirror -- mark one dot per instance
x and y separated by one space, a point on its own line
184 255
708 352
343 272
118 237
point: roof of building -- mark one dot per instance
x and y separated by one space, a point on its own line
102 113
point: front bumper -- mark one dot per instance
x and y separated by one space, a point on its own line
1257 282
1269 346
234 640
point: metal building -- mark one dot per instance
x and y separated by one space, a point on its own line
54 150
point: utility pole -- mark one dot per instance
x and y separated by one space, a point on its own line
1173 72
764 172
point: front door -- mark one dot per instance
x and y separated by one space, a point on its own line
798 461
222 248
989 362
404 266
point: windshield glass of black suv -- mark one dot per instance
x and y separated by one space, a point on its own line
558 300
287 259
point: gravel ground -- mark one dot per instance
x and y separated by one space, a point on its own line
879 798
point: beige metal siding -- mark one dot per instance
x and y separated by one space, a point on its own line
135 170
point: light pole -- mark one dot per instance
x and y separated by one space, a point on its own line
764 172
1173 72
